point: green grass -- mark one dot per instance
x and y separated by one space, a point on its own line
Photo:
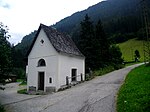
103 71
128 48
132 63
23 91
22 82
19 80
134 95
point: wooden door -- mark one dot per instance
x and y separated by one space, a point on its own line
41 81
74 74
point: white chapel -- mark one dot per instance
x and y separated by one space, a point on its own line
52 57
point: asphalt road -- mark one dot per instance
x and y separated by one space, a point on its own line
97 95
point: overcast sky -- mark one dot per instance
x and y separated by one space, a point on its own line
25 16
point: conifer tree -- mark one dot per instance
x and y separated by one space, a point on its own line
86 41
102 45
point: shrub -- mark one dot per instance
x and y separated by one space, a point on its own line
103 71
2 108
19 72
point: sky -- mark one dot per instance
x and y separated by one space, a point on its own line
24 16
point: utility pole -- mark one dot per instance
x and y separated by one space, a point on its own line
146 27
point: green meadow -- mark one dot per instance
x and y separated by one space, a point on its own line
128 48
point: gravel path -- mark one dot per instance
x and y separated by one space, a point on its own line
97 95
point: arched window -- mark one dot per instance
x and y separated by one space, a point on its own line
41 62
50 80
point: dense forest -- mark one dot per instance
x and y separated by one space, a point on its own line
121 20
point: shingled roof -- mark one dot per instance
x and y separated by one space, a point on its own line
61 42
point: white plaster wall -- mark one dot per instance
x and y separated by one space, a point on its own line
48 53
52 71
66 63
42 50
58 66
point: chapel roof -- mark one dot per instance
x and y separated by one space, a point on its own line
61 42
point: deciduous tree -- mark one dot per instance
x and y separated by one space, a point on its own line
5 52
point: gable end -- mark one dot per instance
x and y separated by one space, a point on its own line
62 43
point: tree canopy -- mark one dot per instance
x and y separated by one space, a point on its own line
5 52
94 44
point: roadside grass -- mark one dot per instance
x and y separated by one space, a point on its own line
103 71
22 91
131 63
19 80
134 95
22 82
108 69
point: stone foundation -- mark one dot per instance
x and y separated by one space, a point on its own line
50 89
32 88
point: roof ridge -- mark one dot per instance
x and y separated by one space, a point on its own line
61 42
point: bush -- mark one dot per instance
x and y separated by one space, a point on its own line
103 71
116 54
19 72
2 108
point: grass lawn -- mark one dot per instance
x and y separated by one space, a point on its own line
23 91
134 95
128 48
22 82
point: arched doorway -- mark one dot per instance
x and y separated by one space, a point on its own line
41 75
41 80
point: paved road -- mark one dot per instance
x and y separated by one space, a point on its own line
97 95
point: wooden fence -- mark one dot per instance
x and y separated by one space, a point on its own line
67 78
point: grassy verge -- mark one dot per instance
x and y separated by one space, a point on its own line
23 91
22 82
19 80
103 71
134 95
131 63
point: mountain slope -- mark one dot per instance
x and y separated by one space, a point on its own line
118 16
106 11
121 20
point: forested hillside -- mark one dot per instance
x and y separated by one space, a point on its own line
111 12
121 20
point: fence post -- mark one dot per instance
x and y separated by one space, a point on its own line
81 77
67 80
